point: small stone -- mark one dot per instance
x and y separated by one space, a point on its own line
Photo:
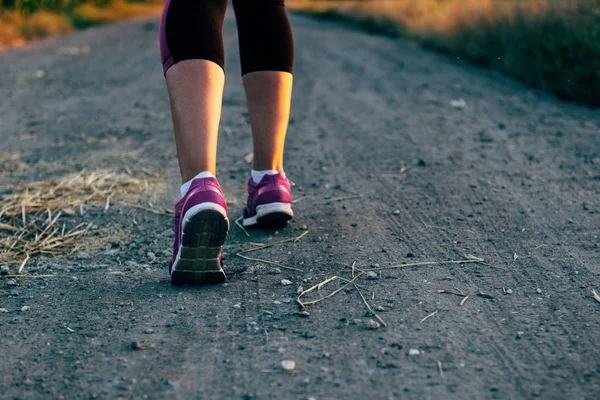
485 295
300 289
149 331
83 255
238 305
13 292
151 256
372 275
3 310
286 282
414 352
304 227
275 271
372 324
25 308
304 313
39 74
288 365
509 291
11 282
396 212
379 308
4 270
539 290
459 104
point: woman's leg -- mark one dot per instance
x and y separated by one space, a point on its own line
192 53
196 92
267 52
268 94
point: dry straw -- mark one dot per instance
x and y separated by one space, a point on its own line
30 215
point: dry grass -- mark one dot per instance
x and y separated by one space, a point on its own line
90 14
16 29
30 215
553 45
45 23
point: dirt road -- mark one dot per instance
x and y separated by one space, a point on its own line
512 178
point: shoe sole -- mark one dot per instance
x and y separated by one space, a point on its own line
197 262
274 215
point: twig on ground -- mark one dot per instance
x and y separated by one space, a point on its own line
264 246
299 199
595 295
451 292
318 286
439 363
469 259
237 222
301 236
463 301
23 264
429 316
368 306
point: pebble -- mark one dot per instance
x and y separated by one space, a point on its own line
304 227
396 212
25 308
509 291
459 104
149 331
379 308
539 290
372 275
151 256
288 365
286 282
3 310
275 271
238 305
372 324
304 313
300 290
11 282
414 352
13 292
4 270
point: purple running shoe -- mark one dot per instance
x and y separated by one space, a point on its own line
269 202
201 227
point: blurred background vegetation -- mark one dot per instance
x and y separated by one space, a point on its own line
553 45
23 20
